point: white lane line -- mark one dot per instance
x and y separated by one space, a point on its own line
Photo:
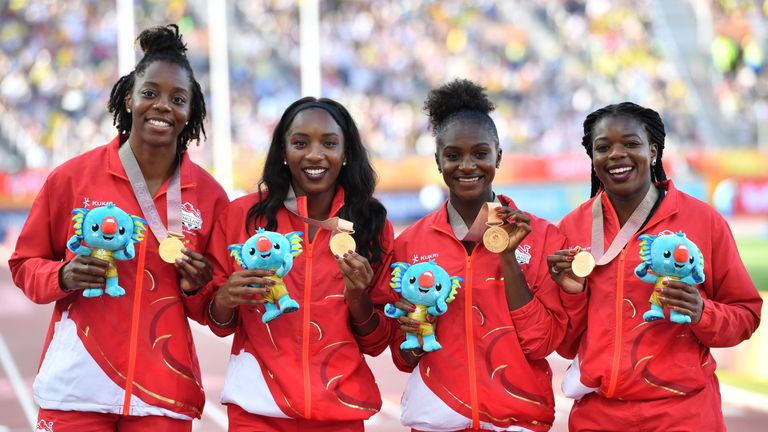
25 400
737 397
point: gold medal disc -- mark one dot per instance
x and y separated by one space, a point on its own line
342 243
170 249
583 264
496 239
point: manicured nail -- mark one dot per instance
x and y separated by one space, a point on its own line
665 282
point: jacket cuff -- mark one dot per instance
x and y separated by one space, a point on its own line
707 318
573 301
526 311
55 289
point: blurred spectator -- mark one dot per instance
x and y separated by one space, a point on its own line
545 62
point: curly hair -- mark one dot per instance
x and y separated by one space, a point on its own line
651 121
159 44
357 178
460 99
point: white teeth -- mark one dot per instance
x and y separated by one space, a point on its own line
620 170
468 179
315 171
159 123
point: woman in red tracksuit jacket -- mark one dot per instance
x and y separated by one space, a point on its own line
125 363
630 374
491 372
305 370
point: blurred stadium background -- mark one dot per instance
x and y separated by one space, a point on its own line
546 64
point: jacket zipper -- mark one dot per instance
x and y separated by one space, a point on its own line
305 317
135 314
617 341
471 347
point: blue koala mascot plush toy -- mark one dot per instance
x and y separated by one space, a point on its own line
669 256
107 233
430 289
271 251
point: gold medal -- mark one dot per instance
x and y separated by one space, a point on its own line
583 264
170 248
342 243
496 239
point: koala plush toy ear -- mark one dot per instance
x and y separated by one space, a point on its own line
235 251
397 275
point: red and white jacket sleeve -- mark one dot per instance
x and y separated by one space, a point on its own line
40 250
732 313
196 305
541 323
377 341
218 254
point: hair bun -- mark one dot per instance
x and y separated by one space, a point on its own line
162 39
453 97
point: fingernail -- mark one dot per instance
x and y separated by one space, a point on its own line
662 299
412 308
184 249
658 289
569 258
665 282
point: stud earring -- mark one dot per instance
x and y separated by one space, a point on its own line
285 162
344 163
186 123
653 162
129 110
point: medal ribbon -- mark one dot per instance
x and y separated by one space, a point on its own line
334 224
485 217
627 231
147 204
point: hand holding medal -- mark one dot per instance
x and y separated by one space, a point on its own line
342 241
563 268
507 228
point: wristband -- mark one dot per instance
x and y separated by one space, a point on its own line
226 324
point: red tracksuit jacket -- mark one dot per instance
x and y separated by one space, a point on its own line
309 363
148 344
629 359
492 363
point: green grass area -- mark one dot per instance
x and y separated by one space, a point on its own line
742 381
754 253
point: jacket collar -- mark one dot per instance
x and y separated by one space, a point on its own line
336 204
439 219
115 167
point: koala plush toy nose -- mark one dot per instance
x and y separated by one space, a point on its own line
109 225
681 253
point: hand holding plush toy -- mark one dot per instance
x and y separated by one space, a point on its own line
430 289
668 256
269 250
107 233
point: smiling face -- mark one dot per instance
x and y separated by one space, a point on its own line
107 228
160 104
266 250
314 151
674 255
622 155
424 283
468 156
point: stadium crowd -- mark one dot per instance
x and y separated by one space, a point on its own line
546 62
